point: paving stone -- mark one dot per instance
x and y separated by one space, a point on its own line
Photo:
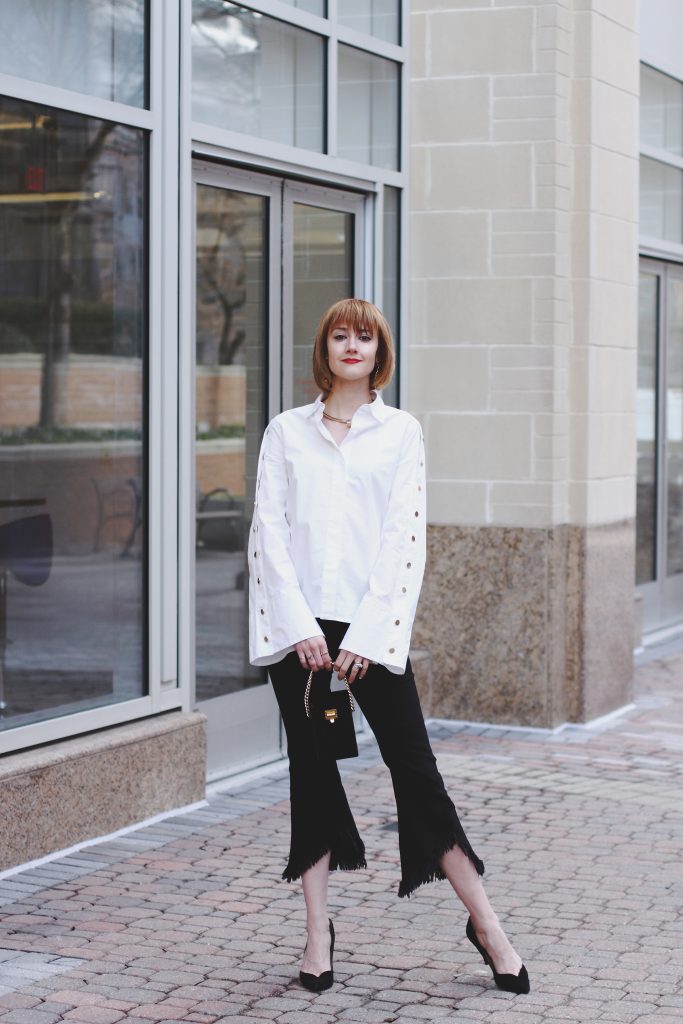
189 920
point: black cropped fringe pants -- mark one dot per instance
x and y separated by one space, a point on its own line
428 824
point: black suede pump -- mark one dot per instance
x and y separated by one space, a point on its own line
320 982
517 983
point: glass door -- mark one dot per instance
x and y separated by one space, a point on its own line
270 256
323 231
659 516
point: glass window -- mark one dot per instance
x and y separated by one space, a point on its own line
646 428
231 339
256 75
380 18
322 245
312 6
661 111
367 108
73 339
661 201
674 423
96 47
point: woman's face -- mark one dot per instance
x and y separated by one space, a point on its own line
351 356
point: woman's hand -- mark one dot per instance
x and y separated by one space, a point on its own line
346 666
313 653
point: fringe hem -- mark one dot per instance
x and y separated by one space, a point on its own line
352 859
433 871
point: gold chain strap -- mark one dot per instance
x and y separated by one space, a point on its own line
308 691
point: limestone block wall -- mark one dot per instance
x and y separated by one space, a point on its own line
522 368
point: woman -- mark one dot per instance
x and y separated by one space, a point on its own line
336 559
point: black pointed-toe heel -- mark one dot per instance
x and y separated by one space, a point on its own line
517 983
320 982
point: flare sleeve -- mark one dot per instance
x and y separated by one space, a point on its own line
279 615
382 624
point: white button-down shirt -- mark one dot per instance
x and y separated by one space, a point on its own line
338 532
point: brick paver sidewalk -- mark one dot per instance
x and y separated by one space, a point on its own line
188 920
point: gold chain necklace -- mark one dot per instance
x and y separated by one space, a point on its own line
327 416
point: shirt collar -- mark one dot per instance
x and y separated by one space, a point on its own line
376 408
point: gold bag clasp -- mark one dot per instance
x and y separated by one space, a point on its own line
331 715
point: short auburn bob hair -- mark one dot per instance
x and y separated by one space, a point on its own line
360 315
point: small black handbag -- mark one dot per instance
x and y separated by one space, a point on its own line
331 715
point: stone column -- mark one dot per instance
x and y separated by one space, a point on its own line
522 357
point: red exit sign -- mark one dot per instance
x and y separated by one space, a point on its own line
35 178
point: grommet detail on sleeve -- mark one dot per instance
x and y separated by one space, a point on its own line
413 537
266 639
408 565
258 579
416 514
255 554
397 622
262 612
392 650
403 590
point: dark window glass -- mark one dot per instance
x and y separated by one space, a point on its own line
73 341
231 329
646 410
322 246
674 422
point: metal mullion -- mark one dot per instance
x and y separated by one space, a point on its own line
169 81
319 196
248 150
403 215
376 248
331 82
63 726
153 376
655 248
662 156
287 347
185 498
80 103
370 44
290 14
661 438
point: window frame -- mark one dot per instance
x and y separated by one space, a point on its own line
159 121
659 248
173 143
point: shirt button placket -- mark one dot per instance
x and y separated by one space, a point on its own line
334 533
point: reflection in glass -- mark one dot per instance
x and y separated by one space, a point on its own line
661 111
367 108
661 201
674 423
230 418
323 273
256 75
312 6
73 341
391 262
646 429
380 18
92 47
